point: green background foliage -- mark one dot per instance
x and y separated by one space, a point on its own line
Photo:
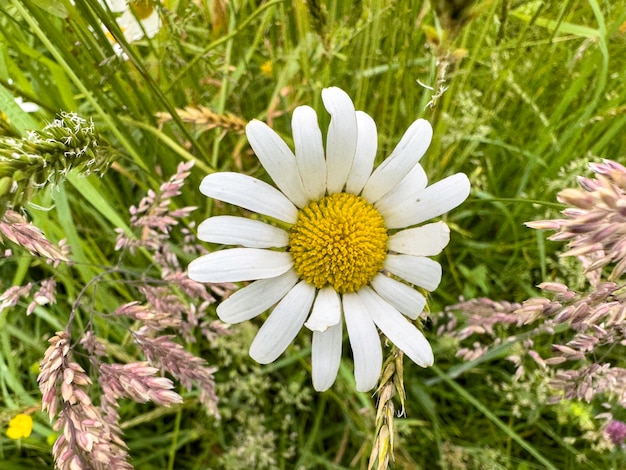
521 94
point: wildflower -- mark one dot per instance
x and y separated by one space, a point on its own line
349 249
21 425
616 430
138 19
267 68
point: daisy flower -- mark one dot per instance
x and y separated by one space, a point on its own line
351 249
138 19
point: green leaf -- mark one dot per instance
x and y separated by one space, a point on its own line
93 192
54 7
14 114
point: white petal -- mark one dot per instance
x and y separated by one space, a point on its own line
404 157
307 139
398 329
26 106
117 5
283 324
326 356
326 310
341 138
364 341
134 30
427 240
239 264
229 230
249 193
256 298
404 298
407 190
423 272
277 159
366 145
433 201
152 24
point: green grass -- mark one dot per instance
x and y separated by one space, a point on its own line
533 91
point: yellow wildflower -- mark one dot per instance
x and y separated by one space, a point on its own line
266 68
20 426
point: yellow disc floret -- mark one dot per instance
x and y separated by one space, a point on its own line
142 8
340 240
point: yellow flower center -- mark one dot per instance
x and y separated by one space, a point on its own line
340 240
142 8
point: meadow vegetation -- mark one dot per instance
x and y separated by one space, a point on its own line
522 94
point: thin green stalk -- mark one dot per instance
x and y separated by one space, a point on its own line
223 39
146 77
171 461
468 397
184 154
